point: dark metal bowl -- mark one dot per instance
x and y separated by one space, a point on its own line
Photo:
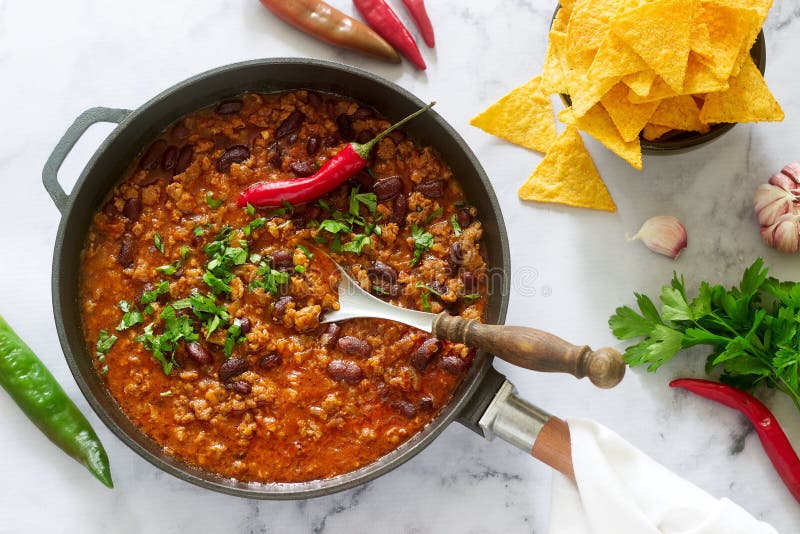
679 143
137 128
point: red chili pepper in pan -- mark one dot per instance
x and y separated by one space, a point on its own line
775 443
328 24
334 173
421 19
383 20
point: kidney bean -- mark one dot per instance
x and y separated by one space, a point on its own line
270 361
314 99
455 257
282 260
199 354
329 141
425 353
234 154
279 309
245 325
399 210
110 209
169 158
426 403
302 168
397 136
232 367
363 112
470 281
452 364
364 136
229 107
275 155
330 336
463 218
132 208
180 131
344 370
291 124
353 346
312 145
405 408
241 387
387 188
381 273
125 254
184 159
431 188
345 125
152 156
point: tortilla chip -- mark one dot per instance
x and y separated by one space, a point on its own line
659 32
587 26
729 28
561 19
629 118
640 82
524 116
553 80
597 123
567 4
651 132
700 78
700 39
568 176
679 113
748 100
659 91
585 92
615 59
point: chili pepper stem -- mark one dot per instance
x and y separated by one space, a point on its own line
363 150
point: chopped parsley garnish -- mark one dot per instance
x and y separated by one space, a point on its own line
233 337
152 295
334 226
185 252
254 225
436 213
176 329
212 202
158 242
429 289
370 200
131 316
198 231
422 242
104 344
269 279
324 205
305 251
217 285
169 270
205 308
470 298
300 269
223 259
357 244
426 301
455 225
251 210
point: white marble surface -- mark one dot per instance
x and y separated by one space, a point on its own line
59 58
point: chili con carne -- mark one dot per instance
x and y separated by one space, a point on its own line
351 159
420 15
330 25
384 20
41 398
775 443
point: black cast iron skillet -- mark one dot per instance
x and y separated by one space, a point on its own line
485 401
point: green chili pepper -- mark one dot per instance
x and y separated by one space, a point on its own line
33 388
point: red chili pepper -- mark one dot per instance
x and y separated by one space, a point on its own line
421 19
334 173
775 443
383 20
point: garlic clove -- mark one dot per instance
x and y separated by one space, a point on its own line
663 234
770 202
792 170
784 235
785 182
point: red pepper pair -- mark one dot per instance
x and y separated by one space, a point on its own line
775 443
384 20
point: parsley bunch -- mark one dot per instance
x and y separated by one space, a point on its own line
753 329
351 223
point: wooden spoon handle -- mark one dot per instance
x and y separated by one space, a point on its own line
533 349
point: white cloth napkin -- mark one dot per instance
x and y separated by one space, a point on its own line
620 490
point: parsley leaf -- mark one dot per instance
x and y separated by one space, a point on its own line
334 226
152 295
753 330
169 270
212 202
455 225
176 328
104 344
370 200
357 244
269 279
158 242
131 316
422 242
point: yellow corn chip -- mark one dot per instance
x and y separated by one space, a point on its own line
748 100
640 82
729 28
659 91
679 113
561 19
629 118
568 176
599 125
587 26
700 39
659 31
615 59
553 80
567 4
585 92
524 116
651 132
700 79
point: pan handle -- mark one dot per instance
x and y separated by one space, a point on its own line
64 146
533 430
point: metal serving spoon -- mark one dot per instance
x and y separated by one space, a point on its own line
519 345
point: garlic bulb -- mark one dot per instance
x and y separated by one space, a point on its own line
777 206
663 234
